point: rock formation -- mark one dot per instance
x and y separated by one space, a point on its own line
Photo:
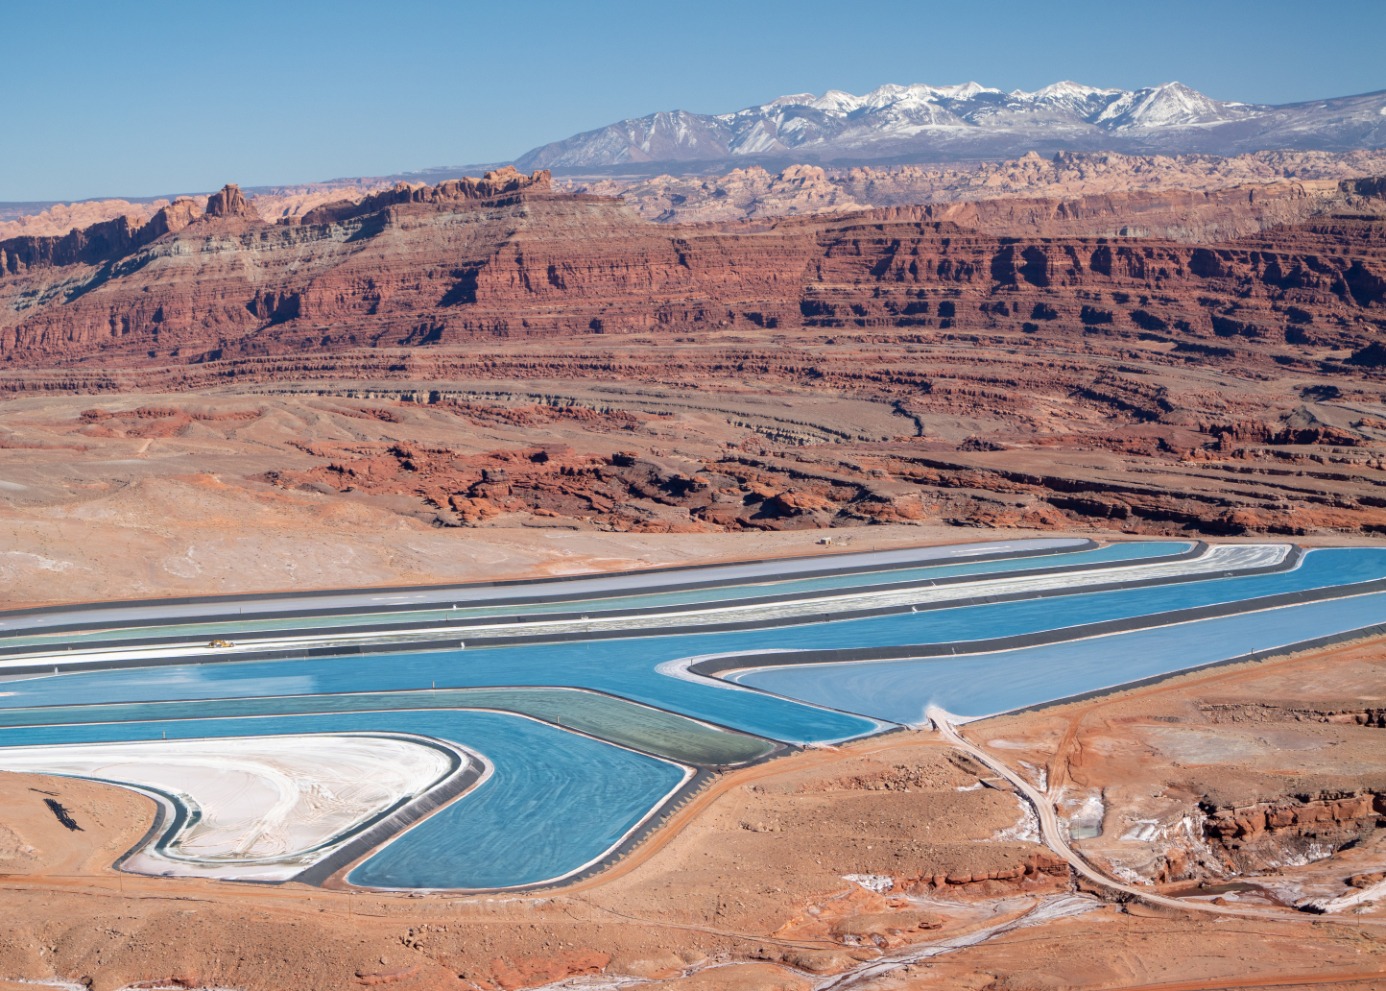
800 189
230 202
504 256
1056 373
493 184
1067 176
1301 827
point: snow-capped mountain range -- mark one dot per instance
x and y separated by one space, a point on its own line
931 123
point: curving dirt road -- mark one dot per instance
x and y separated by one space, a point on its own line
1053 834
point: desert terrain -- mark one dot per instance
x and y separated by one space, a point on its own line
566 368
755 191
890 862
501 378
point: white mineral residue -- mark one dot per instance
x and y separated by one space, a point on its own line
1358 897
1026 828
879 883
267 805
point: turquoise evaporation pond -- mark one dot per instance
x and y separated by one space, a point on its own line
556 800
985 684
626 667
559 800
1135 551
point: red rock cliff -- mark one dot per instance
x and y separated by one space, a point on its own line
505 256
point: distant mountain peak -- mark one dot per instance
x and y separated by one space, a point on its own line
921 122
1065 91
1168 105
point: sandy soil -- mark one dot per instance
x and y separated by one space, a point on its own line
180 505
1148 768
748 886
92 518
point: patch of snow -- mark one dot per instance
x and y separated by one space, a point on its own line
965 91
835 101
1167 105
759 140
1116 108
1062 92
797 100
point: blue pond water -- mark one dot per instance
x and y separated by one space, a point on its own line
535 819
627 666
576 796
982 684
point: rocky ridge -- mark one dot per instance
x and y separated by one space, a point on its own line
798 189
1309 827
754 192
271 202
938 123
1006 362
507 256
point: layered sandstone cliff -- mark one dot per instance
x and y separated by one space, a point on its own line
754 192
926 367
505 256
1307 827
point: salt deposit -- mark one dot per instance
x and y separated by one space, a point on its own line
260 808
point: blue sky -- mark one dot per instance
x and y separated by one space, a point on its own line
144 98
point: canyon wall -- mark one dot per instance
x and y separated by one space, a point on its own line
505 257
979 363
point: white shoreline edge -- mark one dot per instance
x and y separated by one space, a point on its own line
911 593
